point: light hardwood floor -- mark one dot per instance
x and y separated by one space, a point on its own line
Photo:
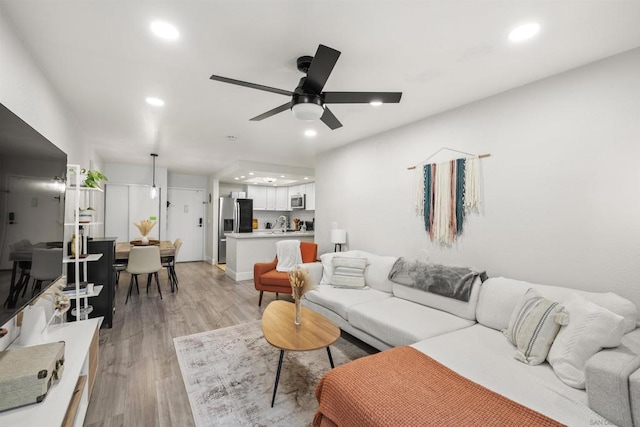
139 381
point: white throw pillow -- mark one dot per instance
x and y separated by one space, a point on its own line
348 272
533 326
327 264
590 329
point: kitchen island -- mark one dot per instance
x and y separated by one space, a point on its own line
246 249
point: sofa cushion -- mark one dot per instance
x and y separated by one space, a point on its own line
348 272
375 275
327 264
499 296
534 324
466 310
484 356
339 300
397 321
590 329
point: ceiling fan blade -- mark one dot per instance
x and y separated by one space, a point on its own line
361 97
273 112
330 120
320 69
251 85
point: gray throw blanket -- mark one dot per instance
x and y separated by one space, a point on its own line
452 282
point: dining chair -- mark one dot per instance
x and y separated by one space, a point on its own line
144 260
169 262
46 265
119 265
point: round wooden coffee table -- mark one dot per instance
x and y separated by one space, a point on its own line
313 333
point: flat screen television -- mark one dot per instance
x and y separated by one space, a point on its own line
32 202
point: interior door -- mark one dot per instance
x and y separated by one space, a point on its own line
185 220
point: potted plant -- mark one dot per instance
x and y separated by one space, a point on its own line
93 178
88 178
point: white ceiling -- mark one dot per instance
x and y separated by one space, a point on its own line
103 61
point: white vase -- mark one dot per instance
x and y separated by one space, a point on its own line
145 240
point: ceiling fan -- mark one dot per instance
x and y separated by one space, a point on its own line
308 100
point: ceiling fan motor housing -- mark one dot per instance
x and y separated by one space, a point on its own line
307 106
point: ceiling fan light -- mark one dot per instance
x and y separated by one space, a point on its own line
307 111
375 103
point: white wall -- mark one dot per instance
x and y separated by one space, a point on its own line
26 91
178 180
561 188
119 173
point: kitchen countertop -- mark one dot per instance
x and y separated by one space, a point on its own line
269 234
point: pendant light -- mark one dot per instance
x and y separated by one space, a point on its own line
154 189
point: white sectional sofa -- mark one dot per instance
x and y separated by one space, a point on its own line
467 337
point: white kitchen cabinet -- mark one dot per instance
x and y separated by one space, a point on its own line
259 195
282 199
271 198
310 200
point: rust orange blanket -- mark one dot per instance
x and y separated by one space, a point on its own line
404 387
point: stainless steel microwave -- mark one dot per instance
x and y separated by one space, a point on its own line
297 201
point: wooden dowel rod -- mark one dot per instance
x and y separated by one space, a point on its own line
480 156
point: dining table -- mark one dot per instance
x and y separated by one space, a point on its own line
167 249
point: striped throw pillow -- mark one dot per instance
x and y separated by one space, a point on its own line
533 326
348 272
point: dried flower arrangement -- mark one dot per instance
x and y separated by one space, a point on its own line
300 282
145 226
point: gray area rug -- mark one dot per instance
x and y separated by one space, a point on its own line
229 375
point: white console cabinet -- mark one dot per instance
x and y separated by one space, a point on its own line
68 399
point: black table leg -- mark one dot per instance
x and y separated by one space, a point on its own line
330 358
275 387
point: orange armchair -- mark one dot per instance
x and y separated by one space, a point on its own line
267 278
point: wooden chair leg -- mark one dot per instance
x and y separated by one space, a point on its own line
148 282
277 295
260 299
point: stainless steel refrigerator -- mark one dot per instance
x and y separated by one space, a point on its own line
234 215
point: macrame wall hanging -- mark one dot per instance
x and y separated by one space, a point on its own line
446 192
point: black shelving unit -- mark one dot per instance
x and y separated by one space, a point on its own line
100 273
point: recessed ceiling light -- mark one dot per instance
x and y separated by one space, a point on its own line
156 102
310 133
250 173
375 103
306 177
524 32
164 30
241 176
281 176
236 178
